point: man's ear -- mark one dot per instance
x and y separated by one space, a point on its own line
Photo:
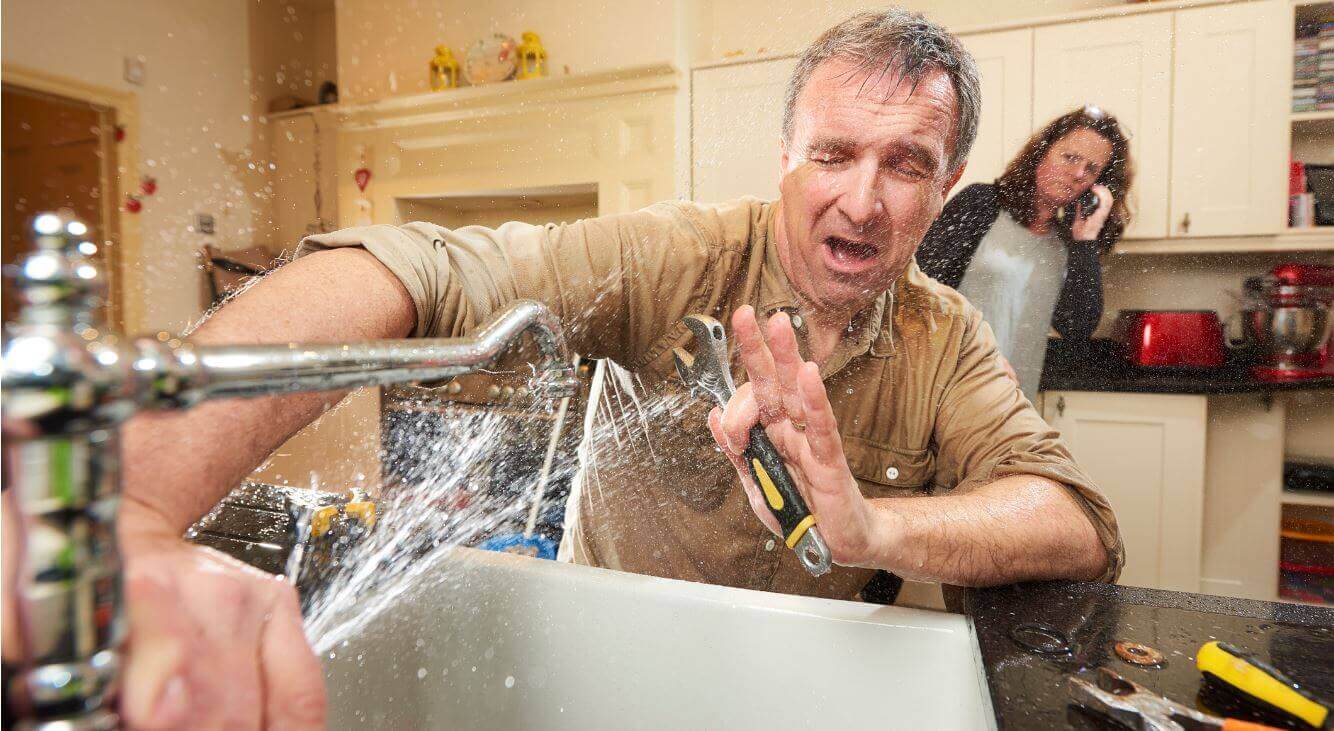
953 180
782 157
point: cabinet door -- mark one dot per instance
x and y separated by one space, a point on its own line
736 116
1146 453
1123 65
1005 61
1229 122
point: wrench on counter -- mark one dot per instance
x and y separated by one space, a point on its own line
706 371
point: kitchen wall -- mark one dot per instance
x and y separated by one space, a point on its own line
293 47
196 121
384 46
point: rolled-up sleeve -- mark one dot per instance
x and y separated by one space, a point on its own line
614 281
986 429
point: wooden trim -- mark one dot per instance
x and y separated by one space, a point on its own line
126 279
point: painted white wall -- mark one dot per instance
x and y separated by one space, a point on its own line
384 46
196 115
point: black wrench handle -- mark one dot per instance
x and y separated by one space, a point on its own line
777 489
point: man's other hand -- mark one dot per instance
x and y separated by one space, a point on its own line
213 643
786 394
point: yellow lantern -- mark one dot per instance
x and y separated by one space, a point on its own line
532 57
444 69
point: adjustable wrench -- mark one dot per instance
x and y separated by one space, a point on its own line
706 371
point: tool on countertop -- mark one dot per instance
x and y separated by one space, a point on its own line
707 371
1260 684
1135 706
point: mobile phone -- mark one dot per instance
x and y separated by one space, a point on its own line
1089 202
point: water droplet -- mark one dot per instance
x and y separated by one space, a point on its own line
421 673
509 681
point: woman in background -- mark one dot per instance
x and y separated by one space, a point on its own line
1025 249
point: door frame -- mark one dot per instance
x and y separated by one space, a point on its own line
126 311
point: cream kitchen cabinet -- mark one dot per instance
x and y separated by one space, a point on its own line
1230 132
1123 65
736 115
1005 62
1147 454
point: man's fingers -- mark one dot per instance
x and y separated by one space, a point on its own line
757 361
741 414
821 426
156 689
743 473
787 362
294 696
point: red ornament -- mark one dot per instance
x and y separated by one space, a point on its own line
148 186
133 204
120 133
362 176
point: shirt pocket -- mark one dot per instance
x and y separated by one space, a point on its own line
884 471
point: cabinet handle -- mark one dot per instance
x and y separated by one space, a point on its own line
1185 223
1060 406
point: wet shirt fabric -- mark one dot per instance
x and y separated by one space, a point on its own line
1015 278
920 398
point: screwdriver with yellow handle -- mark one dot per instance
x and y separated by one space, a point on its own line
1261 684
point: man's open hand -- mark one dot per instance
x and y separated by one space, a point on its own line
213 643
786 395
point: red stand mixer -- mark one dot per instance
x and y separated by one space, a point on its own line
1286 315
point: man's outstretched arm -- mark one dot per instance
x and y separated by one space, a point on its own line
1014 528
178 465
213 642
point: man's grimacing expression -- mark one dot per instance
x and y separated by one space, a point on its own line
865 172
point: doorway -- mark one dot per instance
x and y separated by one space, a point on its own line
60 155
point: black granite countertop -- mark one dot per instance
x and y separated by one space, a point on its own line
1029 689
1097 365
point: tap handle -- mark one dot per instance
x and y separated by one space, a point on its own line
59 271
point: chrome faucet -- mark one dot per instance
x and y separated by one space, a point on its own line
68 383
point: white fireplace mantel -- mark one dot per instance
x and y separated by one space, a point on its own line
505 98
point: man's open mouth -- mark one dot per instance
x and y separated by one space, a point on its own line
849 251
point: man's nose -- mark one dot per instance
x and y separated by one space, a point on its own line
860 199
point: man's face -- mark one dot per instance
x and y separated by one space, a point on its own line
864 174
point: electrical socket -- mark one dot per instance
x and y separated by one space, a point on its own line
136 69
204 223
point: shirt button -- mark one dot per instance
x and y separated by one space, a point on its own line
892 473
769 545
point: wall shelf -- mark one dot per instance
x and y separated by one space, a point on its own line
1323 115
1308 497
1320 238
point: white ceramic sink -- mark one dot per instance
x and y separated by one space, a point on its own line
506 642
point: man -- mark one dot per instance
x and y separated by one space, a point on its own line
882 388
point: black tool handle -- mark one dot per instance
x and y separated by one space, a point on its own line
776 487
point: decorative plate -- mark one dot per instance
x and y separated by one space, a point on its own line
491 59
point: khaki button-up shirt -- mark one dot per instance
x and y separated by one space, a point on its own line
922 403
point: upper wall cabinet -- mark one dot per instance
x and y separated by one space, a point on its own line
1005 61
1229 130
1123 65
736 121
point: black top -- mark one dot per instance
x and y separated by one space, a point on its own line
949 246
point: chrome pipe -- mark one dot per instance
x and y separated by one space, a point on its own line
68 382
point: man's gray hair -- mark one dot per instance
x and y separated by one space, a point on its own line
904 43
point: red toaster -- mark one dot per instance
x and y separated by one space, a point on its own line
1171 338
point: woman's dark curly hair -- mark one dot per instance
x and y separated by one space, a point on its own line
1017 185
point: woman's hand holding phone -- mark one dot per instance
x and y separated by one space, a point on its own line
1088 227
